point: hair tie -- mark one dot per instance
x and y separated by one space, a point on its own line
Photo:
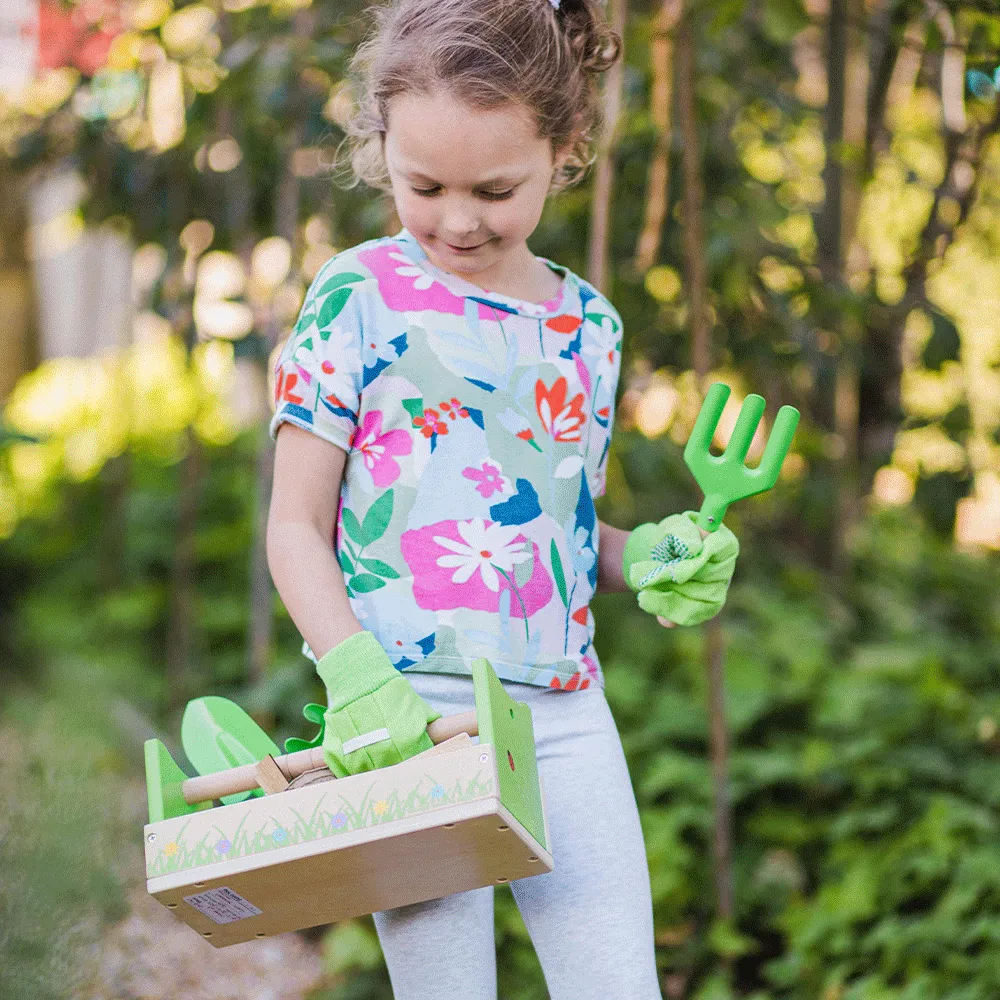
555 4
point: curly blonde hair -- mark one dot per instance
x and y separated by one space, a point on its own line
486 53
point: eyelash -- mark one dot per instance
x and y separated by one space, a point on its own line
488 195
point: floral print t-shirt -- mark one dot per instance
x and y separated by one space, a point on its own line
477 429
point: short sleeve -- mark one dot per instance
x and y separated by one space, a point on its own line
318 374
609 353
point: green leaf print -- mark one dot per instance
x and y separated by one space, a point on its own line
305 320
378 517
344 278
330 310
363 583
345 562
597 318
353 527
379 567
557 571
415 407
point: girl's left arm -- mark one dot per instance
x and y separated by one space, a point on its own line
610 575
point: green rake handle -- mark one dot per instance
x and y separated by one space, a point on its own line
725 478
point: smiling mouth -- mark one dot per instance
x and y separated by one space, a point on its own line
474 246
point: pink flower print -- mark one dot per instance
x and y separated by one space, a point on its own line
450 569
484 549
404 285
378 449
489 478
563 421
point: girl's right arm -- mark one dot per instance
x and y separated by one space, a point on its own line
305 496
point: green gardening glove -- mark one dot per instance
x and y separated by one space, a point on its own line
374 718
678 574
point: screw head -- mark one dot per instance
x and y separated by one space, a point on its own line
483 758
152 838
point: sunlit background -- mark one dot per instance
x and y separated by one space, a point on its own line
799 197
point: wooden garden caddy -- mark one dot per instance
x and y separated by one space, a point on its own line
307 849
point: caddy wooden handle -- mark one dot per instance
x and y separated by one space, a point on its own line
291 765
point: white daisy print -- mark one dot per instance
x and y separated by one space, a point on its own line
486 547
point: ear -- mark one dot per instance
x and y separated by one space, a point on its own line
563 153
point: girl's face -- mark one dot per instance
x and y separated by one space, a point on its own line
468 184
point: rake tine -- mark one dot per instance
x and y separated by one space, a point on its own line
724 479
777 446
746 426
700 443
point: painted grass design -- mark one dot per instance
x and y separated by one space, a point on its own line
340 816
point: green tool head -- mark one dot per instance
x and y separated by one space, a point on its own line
725 478
217 735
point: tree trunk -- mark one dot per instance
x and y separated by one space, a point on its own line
661 58
600 212
697 282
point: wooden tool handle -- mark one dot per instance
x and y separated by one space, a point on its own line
244 779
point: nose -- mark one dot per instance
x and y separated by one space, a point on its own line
460 223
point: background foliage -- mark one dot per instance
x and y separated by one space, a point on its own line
843 198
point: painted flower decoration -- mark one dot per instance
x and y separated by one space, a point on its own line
171 849
379 450
380 807
560 419
223 847
489 477
338 820
486 549
430 423
280 835
437 792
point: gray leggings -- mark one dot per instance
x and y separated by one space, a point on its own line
591 918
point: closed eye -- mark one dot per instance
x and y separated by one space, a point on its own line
488 195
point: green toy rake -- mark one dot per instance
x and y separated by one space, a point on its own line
725 478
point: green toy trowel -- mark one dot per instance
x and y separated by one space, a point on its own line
725 478
217 735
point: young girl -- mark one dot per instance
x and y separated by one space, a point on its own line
445 408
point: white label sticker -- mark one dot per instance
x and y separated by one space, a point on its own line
223 905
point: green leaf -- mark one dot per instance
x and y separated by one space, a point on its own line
598 317
379 567
557 571
344 278
305 320
345 562
354 529
365 582
330 310
415 407
378 517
